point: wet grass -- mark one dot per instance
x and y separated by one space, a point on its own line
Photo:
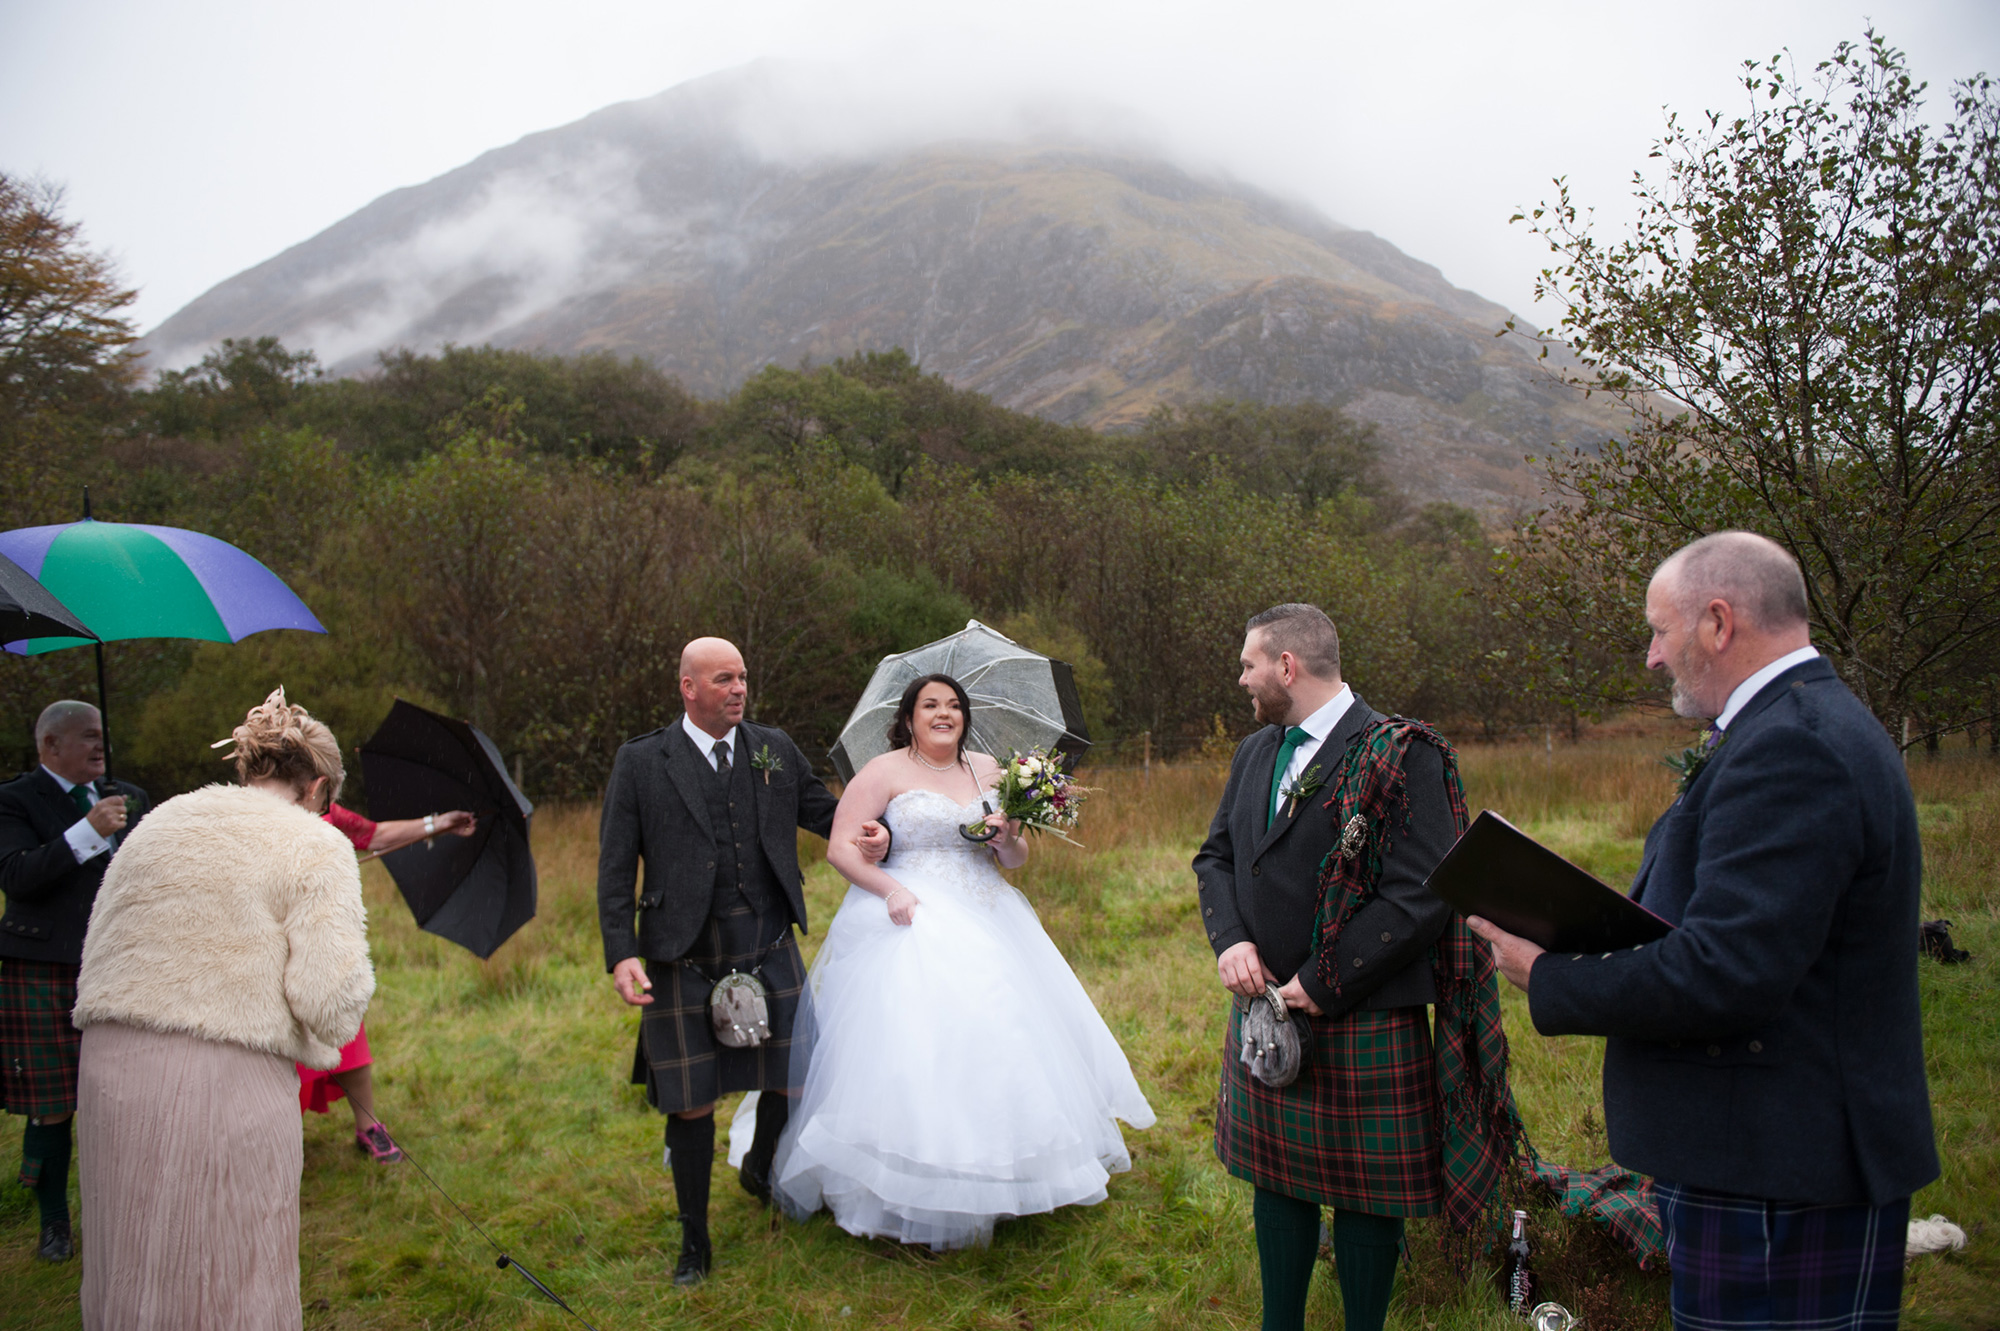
507 1081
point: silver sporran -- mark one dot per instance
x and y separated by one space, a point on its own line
739 1012
1273 1040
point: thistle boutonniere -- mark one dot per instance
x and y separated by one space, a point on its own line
1687 764
766 762
1353 836
1303 787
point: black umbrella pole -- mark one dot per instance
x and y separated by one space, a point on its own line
103 699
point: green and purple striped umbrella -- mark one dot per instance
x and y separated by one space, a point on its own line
132 580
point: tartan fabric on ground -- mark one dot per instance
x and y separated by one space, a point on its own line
1357 1129
1740 1263
1480 1132
1616 1198
38 1046
678 1061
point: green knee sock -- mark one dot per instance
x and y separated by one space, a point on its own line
1365 1250
1287 1247
45 1151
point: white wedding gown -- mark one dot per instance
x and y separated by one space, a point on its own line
958 1072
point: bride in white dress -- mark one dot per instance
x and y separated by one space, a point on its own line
959 1074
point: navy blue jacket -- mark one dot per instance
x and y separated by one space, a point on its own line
1772 1045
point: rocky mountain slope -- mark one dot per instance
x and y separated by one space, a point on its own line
1085 284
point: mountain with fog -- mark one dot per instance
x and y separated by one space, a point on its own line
1084 283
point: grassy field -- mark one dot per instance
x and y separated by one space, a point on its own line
507 1079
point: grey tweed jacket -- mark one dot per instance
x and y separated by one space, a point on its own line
654 811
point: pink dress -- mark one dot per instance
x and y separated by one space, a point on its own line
318 1090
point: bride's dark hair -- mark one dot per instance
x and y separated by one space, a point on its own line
903 735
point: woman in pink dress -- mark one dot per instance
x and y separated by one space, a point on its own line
354 1078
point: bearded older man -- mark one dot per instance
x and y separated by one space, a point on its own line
1765 1062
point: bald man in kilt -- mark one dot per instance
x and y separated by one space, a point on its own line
712 805
1311 881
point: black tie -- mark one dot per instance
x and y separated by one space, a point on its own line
722 757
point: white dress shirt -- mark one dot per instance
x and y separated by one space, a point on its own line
1319 725
84 842
704 743
1750 687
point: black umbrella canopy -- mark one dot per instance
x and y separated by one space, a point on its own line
477 890
30 610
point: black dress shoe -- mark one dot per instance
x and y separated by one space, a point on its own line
755 1176
57 1246
693 1266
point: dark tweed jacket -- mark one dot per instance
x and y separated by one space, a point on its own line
1262 884
1772 1045
49 895
654 810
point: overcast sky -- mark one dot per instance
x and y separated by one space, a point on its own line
200 137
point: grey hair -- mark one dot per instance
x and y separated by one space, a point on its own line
1305 632
1757 577
60 716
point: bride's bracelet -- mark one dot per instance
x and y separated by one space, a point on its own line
893 895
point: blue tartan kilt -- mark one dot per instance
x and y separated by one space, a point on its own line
1744 1262
1358 1130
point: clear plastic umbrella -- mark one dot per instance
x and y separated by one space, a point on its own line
1021 700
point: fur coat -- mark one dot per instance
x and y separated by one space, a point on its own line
232 915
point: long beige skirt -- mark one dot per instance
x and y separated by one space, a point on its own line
189 1155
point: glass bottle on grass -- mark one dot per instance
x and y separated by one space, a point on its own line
1517 1277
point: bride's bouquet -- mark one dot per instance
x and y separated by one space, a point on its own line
1035 791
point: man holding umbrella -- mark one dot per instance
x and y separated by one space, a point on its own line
711 804
59 826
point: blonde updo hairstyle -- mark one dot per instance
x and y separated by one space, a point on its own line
280 741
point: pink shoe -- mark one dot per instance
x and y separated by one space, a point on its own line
374 1139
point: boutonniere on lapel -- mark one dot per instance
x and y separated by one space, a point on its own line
1687 764
1353 837
766 762
1303 787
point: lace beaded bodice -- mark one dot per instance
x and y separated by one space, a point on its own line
927 845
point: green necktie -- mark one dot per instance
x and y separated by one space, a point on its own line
1294 737
80 796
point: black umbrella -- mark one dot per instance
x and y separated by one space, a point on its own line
30 610
474 890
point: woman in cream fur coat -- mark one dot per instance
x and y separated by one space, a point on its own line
229 939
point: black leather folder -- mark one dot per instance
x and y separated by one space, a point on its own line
1501 874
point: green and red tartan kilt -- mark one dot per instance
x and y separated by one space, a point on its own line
38 1046
1357 1130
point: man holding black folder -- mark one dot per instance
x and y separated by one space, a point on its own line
1765 1062
1361 948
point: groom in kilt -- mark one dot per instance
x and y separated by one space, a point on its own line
712 804
1311 881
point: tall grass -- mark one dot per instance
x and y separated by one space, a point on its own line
507 1080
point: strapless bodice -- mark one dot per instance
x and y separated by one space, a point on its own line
924 820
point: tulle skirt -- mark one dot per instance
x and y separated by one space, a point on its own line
957 1072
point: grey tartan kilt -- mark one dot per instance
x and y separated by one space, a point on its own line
678 1060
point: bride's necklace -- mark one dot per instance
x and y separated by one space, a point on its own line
948 767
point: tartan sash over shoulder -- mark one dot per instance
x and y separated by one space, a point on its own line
1479 1129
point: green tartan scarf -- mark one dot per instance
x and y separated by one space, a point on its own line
1482 1134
